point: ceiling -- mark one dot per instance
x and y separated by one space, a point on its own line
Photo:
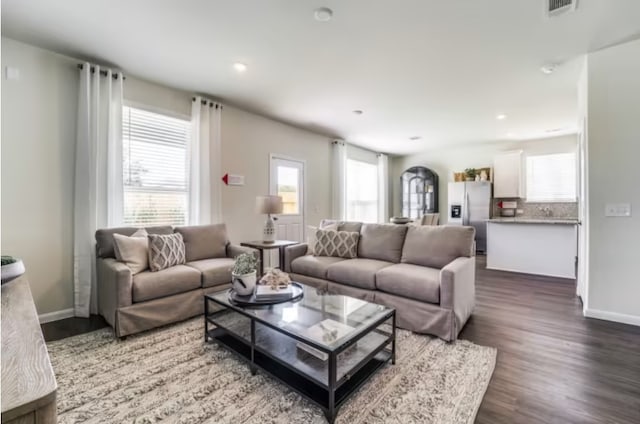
440 70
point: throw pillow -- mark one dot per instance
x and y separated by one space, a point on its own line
341 244
132 250
311 235
165 251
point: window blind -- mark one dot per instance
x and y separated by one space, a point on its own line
362 191
156 183
551 178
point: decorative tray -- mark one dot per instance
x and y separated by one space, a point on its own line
250 300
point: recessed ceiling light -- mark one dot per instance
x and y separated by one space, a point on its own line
239 67
501 116
358 112
548 68
510 135
415 138
323 14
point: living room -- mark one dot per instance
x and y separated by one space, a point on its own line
334 102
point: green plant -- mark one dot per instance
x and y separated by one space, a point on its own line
246 263
8 260
470 172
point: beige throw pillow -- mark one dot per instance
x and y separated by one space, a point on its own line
165 251
133 251
341 244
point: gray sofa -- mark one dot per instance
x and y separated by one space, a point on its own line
134 303
427 273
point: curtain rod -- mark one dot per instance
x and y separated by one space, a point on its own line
211 104
102 72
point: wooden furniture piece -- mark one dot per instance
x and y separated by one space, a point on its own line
261 246
28 382
419 192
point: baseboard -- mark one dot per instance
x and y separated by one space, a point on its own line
55 316
612 316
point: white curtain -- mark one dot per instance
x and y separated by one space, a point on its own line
205 168
339 181
383 188
98 195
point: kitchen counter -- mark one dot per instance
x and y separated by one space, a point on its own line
561 221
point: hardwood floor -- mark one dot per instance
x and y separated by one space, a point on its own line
554 365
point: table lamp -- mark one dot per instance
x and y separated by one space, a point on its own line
269 205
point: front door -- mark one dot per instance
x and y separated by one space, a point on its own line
287 181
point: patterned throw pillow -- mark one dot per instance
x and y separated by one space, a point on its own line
165 251
341 244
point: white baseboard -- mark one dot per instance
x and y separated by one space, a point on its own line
612 316
55 316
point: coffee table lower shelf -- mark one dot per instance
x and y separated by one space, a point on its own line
306 387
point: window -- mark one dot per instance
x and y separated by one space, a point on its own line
156 183
362 191
287 187
551 178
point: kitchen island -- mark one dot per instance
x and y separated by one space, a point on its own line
542 246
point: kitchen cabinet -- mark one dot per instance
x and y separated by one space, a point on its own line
508 178
542 247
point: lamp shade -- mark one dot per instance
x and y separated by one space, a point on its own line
268 204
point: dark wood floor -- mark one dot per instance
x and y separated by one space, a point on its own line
554 365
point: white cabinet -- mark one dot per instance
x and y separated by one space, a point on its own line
542 249
508 179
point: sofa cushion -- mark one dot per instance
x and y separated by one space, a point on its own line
313 266
215 272
352 226
341 244
356 272
149 285
133 251
381 241
104 237
204 241
436 246
165 251
410 281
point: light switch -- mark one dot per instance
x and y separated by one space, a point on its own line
618 209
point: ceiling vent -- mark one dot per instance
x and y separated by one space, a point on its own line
559 7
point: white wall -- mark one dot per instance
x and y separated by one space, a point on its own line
456 159
38 139
614 175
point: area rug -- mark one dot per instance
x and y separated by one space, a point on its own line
170 375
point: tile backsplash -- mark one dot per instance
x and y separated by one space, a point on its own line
536 210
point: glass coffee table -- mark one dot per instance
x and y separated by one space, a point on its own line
323 346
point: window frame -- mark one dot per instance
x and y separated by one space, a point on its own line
573 199
169 114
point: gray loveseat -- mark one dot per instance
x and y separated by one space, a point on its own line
134 303
427 273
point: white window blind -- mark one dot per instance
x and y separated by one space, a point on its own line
551 178
156 184
362 191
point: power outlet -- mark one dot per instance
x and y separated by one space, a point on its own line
617 209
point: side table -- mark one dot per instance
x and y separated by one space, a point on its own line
261 246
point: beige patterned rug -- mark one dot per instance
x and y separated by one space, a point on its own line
169 375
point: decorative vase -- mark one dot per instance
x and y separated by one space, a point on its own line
12 271
477 177
244 284
483 176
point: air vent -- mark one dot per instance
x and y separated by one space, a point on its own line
559 7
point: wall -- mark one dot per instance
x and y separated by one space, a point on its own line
613 154
455 159
38 139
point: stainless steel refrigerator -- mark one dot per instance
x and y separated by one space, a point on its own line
469 203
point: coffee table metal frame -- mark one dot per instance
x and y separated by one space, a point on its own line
329 397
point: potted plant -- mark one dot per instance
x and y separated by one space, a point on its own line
470 174
244 275
11 268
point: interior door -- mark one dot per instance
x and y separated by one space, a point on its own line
287 181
